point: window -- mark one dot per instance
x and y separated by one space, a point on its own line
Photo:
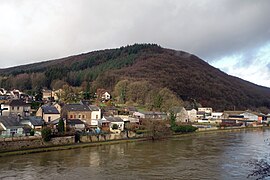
79 116
74 116
71 117
49 119
12 108
83 116
13 131
18 107
96 116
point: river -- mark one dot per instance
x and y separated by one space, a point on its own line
219 155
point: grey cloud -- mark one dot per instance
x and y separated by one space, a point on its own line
41 30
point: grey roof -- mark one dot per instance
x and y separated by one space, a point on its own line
176 109
3 97
36 121
49 109
85 102
54 122
114 119
93 108
17 102
72 122
132 108
153 113
76 107
9 121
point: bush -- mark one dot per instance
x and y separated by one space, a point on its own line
141 131
184 129
32 132
61 126
114 126
46 134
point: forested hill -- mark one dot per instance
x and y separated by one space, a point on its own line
186 75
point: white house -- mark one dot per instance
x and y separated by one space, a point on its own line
207 110
115 120
95 112
106 96
250 116
33 121
217 115
150 115
48 113
10 126
16 107
192 115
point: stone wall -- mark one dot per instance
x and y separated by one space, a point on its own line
107 137
33 142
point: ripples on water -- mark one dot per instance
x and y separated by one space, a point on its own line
205 156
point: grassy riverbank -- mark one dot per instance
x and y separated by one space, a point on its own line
111 142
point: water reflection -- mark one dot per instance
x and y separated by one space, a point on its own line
205 156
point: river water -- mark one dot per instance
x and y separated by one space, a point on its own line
220 155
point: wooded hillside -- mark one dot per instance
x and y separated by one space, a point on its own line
186 75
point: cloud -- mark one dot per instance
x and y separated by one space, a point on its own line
254 68
36 30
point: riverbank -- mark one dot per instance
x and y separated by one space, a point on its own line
111 142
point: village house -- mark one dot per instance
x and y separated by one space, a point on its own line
71 124
150 115
233 114
33 122
192 115
77 111
75 124
200 115
95 112
46 95
57 94
240 117
48 113
3 91
181 114
4 99
250 116
207 111
130 110
95 115
216 117
103 95
15 94
16 107
10 126
104 125
115 120
109 111
57 106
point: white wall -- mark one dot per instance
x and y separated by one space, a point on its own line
53 117
96 114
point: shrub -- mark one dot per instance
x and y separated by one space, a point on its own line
141 131
184 129
32 132
61 126
46 134
114 126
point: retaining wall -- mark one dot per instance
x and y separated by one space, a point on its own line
36 142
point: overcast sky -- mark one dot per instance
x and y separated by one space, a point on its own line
233 35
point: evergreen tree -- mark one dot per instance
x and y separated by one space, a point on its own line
61 126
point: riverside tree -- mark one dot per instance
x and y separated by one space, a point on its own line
46 134
61 126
